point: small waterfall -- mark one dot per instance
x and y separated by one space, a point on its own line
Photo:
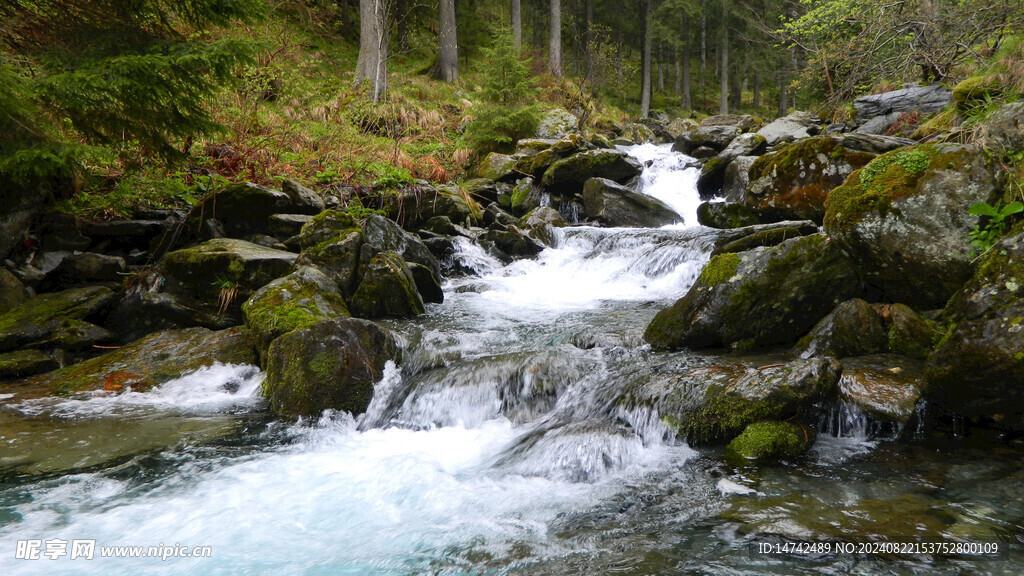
670 177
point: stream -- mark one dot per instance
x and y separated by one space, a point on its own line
500 446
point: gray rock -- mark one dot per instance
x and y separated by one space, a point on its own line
568 175
736 178
885 386
556 123
86 267
616 205
387 289
926 99
792 127
39 318
303 200
284 226
852 329
878 124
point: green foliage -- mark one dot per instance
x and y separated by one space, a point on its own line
986 234
507 110
913 161
390 177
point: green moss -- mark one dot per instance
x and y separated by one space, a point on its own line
976 89
725 414
720 269
770 441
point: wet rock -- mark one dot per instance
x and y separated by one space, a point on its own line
85 267
284 226
39 318
852 329
769 441
242 209
526 196
793 182
795 126
540 224
724 215
736 178
513 243
567 176
764 235
712 174
151 361
885 386
903 220
494 213
330 365
12 291
428 285
909 333
74 336
302 199
143 312
977 369
758 298
203 272
25 363
616 205
715 137
383 235
297 300
441 225
387 289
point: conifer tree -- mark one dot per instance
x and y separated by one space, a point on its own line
508 109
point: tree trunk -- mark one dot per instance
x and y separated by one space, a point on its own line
373 47
517 22
685 100
661 72
703 37
735 92
645 90
756 81
588 40
678 88
783 96
555 39
448 55
402 25
723 78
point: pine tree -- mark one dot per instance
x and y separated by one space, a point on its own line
508 109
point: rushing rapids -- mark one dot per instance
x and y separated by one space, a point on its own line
500 445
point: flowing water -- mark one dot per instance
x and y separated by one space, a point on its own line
500 446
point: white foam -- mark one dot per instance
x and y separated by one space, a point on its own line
670 177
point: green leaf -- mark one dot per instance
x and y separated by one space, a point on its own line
983 209
1012 208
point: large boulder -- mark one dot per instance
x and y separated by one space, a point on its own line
1004 130
715 403
885 386
712 174
924 99
769 441
724 215
795 126
387 289
25 363
331 242
556 124
540 224
761 235
567 176
793 182
714 137
977 369
85 267
903 220
303 200
12 291
383 235
330 365
300 299
852 329
151 361
758 298
498 167
242 208
736 178
205 271
615 205
40 318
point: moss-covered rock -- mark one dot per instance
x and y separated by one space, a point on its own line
758 298
203 271
724 215
540 224
885 386
497 167
387 289
852 329
1004 129
302 199
337 252
712 174
615 205
243 208
383 235
300 299
903 220
568 175
909 333
765 236
526 196
768 441
39 318
330 365
513 242
533 146
715 403
324 227
12 291
25 363
793 182
151 361
737 178
73 335
285 226
977 369
556 123
85 267
977 90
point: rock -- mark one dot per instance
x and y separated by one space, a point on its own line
39 318
616 205
852 329
725 215
758 298
21 204
514 243
704 152
977 90
12 291
925 99
735 179
977 369
556 123
903 220
743 122
526 196
872 143
765 236
533 146
383 235
792 127
151 361
680 126
387 289
298 300
712 174
266 241
494 213
540 223
303 200
125 232
498 167
600 141
638 133
715 403
884 386
143 312
337 256
568 175
74 336
1004 130
441 201
204 271
768 441
428 285
85 267
714 137
909 333
330 365
242 209
878 124
441 225
284 226
793 182
25 363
